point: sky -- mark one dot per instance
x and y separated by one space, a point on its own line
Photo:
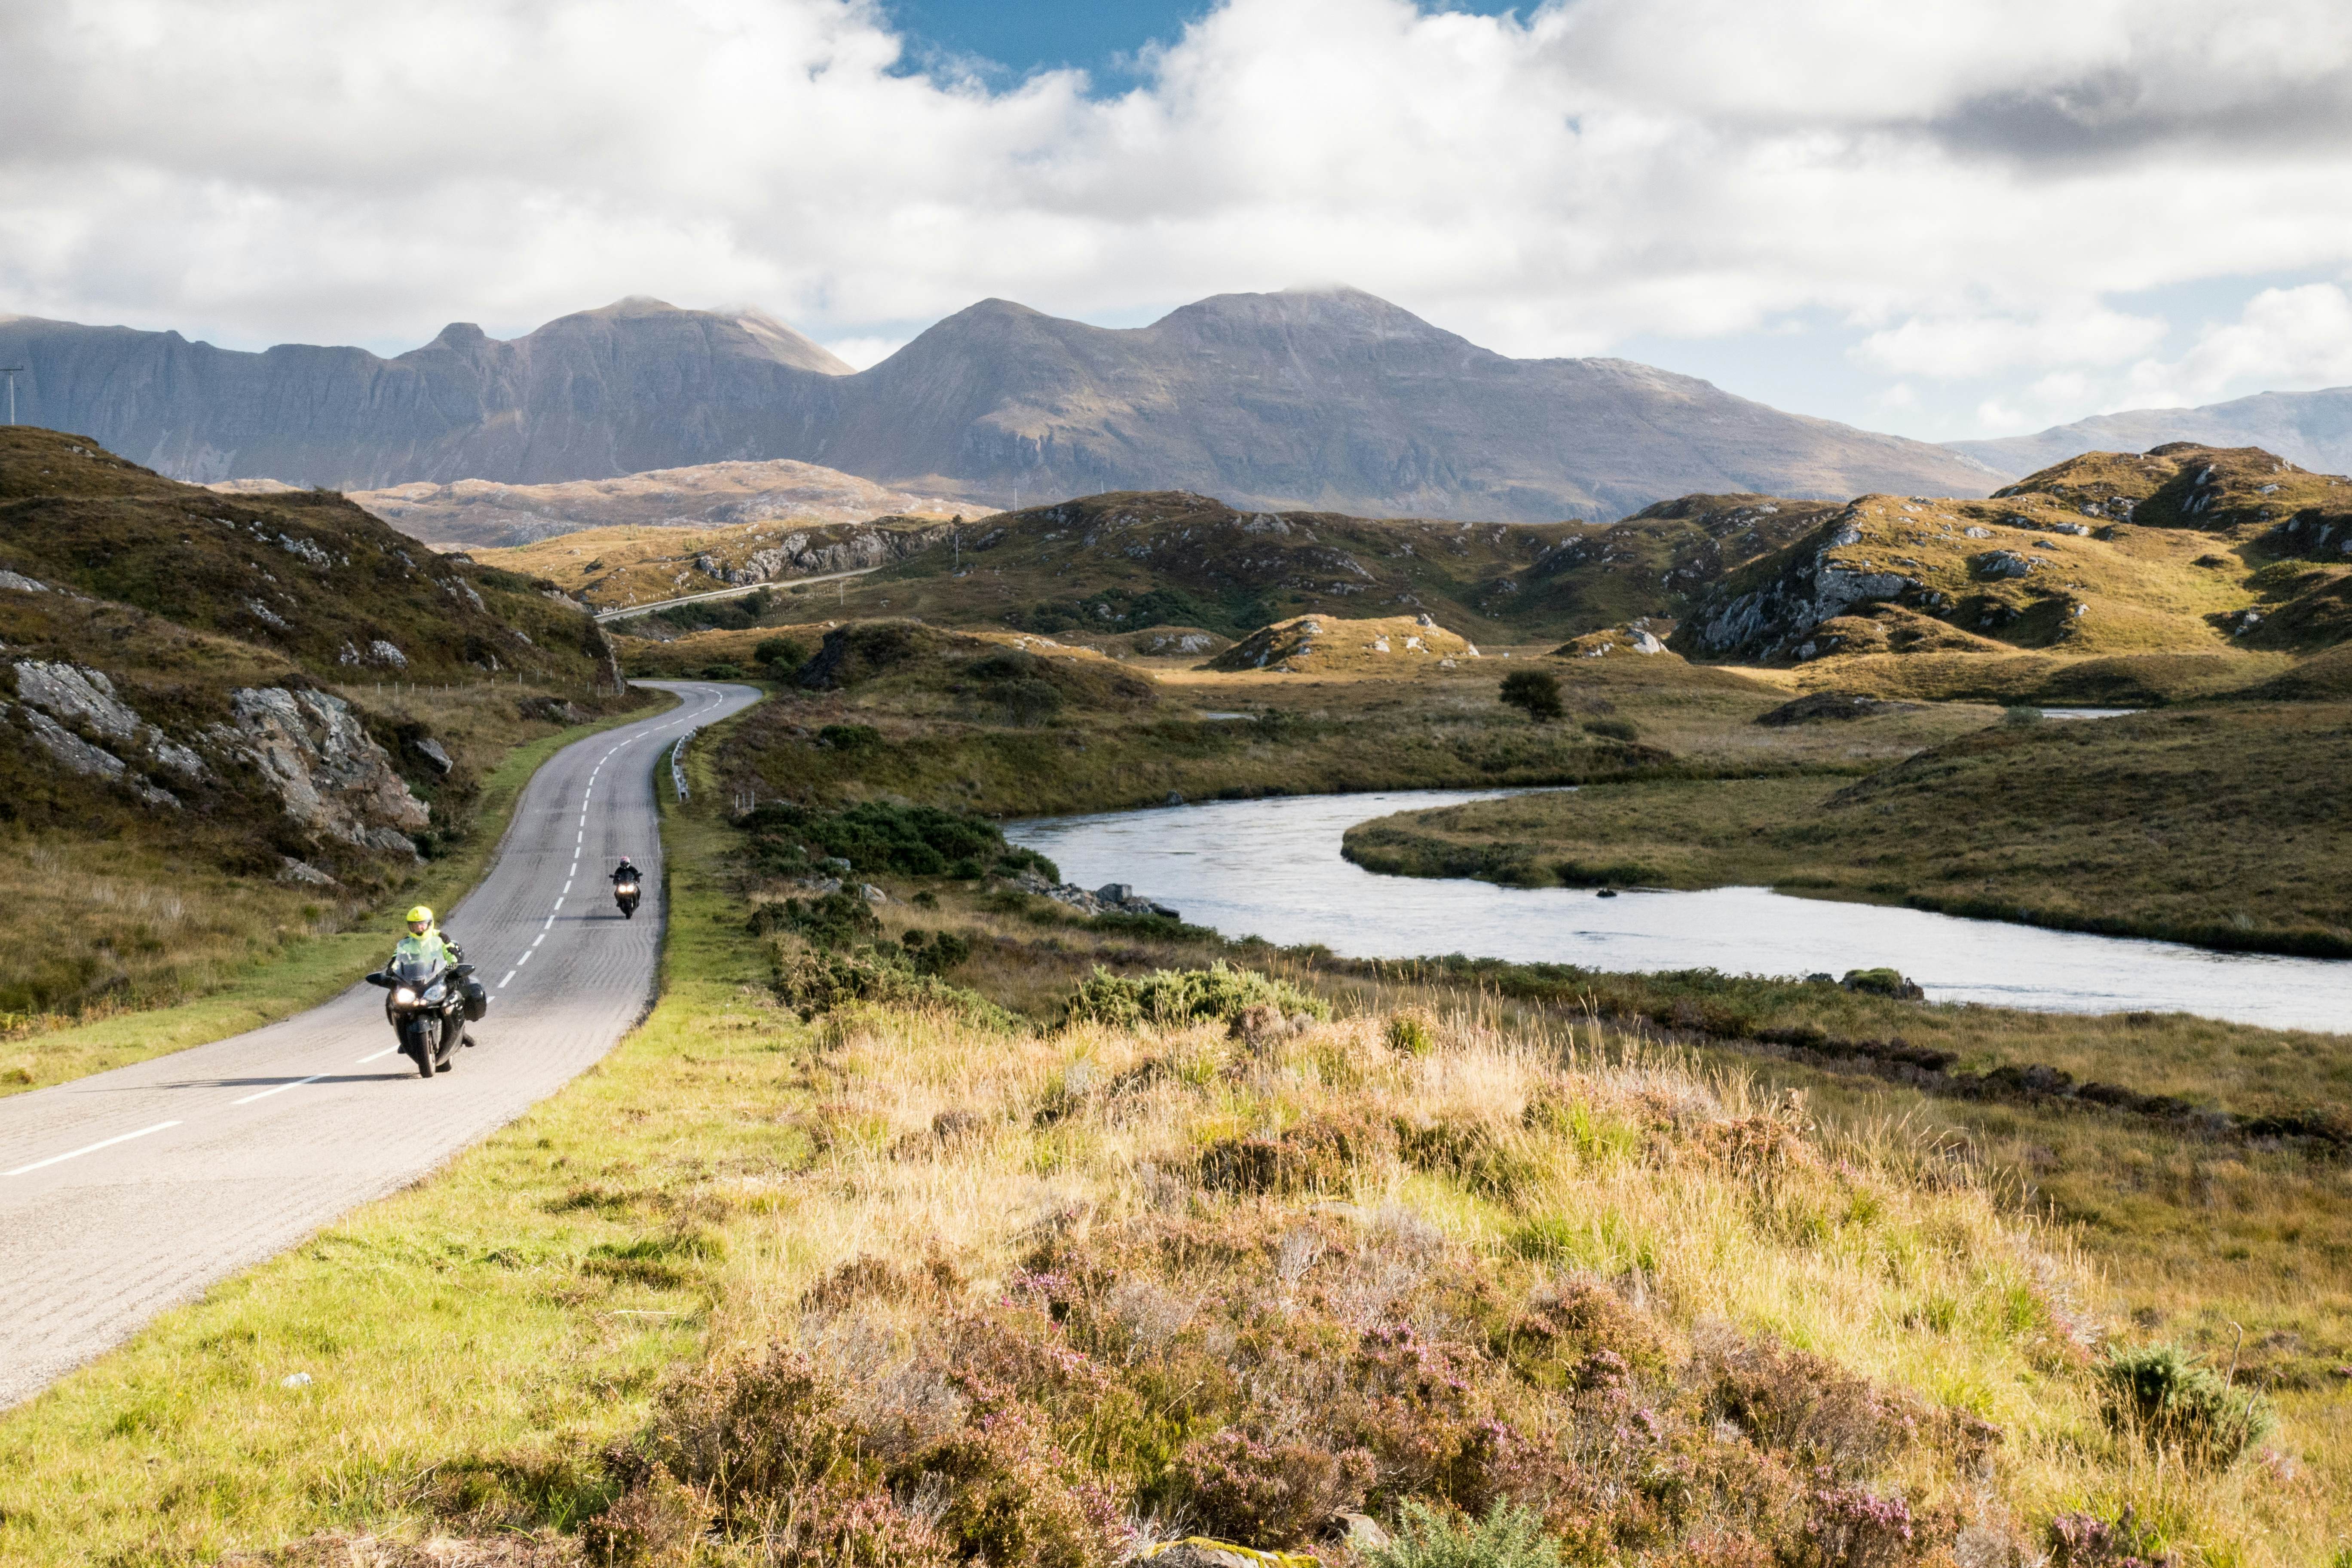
1945 218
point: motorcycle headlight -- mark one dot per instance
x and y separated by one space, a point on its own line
404 997
433 994
627 888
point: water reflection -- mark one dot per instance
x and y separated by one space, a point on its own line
1271 869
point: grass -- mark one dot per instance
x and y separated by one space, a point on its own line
506 1347
209 954
2214 824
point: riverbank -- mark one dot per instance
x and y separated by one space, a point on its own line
2221 827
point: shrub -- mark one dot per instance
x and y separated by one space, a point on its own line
2021 715
654 1525
1614 729
814 983
1169 997
1412 1031
1535 692
782 655
722 672
876 836
1507 1538
833 921
849 737
1852 1528
1267 1494
934 953
2161 1392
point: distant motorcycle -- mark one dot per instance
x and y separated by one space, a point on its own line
626 895
428 1004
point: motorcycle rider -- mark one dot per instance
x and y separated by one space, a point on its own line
426 940
624 872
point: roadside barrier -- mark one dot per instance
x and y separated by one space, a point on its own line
678 765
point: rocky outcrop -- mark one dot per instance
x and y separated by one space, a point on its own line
1773 621
327 771
1110 899
77 717
806 554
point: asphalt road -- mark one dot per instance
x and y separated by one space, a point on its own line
128 1191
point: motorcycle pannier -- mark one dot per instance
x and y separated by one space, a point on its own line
477 1000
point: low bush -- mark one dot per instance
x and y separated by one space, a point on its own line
1507 1538
1170 997
816 982
2165 1396
876 836
1614 729
827 922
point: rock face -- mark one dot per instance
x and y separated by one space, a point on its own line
1815 586
76 716
1110 899
1328 399
326 769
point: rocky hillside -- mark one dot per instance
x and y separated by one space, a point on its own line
613 568
1330 399
2183 549
2312 428
202 691
711 495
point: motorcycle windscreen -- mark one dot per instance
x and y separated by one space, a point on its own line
417 972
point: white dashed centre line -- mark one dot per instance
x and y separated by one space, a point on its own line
507 981
379 1056
281 1089
89 1149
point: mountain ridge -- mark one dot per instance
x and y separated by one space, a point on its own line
2311 429
1328 399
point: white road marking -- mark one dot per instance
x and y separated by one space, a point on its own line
507 981
539 938
379 1056
281 1089
559 904
518 964
89 1149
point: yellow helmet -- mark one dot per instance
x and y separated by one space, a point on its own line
420 913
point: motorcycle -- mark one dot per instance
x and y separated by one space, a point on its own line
626 895
429 1004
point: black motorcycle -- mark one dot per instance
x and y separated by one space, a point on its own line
626 895
428 1004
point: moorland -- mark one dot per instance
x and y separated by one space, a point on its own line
951 1223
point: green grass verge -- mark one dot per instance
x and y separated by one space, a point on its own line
471 1343
306 970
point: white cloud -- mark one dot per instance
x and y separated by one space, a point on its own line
2285 340
861 353
1967 181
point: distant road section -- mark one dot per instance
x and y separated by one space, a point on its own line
126 1193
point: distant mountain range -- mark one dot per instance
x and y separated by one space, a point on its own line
1328 399
2310 428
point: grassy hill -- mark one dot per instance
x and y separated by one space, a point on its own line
235 723
2183 551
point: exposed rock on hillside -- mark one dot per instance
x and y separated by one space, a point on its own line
2108 553
1323 644
1328 398
328 772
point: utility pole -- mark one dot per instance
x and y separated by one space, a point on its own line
11 371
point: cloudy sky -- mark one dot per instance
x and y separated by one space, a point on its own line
1944 217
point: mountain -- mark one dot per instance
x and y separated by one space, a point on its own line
1322 399
484 512
2310 428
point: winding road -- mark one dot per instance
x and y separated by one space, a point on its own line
130 1190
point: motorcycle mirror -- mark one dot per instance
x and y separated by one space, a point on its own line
380 978
462 971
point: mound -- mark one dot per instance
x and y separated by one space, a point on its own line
1397 644
1822 705
1028 678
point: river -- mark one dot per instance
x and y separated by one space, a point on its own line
1271 869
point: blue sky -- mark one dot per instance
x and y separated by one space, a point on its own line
1946 218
